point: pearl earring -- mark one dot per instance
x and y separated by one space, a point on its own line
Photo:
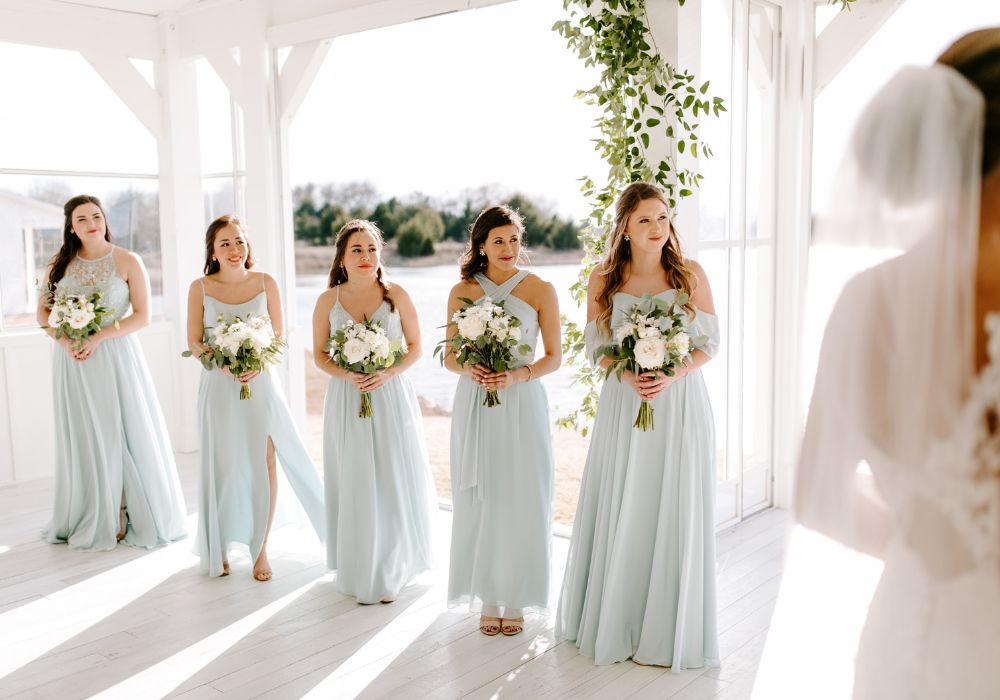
482 252
627 239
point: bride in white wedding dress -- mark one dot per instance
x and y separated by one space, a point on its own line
901 454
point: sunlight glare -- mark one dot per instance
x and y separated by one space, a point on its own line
163 677
365 665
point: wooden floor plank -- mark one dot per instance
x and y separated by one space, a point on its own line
175 633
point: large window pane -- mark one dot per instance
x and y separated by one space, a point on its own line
61 115
215 120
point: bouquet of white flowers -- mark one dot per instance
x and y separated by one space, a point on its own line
486 335
364 348
241 345
652 337
77 316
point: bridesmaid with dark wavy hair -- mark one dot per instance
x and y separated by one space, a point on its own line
115 475
501 456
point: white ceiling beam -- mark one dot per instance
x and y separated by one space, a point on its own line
61 25
298 73
359 18
119 73
846 34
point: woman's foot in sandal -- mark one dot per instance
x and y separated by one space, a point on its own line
512 626
122 524
225 567
489 625
261 568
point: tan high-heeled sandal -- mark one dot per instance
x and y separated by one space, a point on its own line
123 523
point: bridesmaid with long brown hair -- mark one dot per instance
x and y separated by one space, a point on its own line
115 475
379 495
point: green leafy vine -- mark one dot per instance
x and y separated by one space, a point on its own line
647 106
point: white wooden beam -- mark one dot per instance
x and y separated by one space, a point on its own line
61 25
126 81
223 63
846 34
298 73
340 19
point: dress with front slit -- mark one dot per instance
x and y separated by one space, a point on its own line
234 492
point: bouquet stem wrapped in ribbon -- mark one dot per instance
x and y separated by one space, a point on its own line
364 348
653 337
241 345
487 335
77 316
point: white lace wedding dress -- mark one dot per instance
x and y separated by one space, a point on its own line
933 627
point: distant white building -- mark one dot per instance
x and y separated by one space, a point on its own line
22 220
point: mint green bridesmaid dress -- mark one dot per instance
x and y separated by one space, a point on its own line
640 574
501 482
380 499
111 441
234 492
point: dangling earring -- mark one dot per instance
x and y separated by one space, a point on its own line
482 252
627 239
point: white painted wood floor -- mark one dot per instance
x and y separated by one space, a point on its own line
143 624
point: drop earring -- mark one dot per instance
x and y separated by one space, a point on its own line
627 239
482 252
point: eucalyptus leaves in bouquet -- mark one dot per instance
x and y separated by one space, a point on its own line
653 337
76 316
241 345
364 348
486 335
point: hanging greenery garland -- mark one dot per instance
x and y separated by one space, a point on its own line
644 101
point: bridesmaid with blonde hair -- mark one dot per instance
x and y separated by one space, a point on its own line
242 441
379 495
501 456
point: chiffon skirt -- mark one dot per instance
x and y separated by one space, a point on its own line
380 499
501 475
234 490
111 441
640 576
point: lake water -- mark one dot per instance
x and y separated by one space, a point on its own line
429 287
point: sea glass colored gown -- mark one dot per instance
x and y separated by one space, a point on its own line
110 435
379 495
234 490
501 476
640 575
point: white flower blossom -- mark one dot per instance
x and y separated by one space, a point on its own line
624 331
650 353
355 350
680 344
471 326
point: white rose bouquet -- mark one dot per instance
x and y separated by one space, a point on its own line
487 335
653 337
364 348
241 345
77 316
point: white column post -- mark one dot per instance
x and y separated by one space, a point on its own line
273 242
794 227
677 33
182 219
